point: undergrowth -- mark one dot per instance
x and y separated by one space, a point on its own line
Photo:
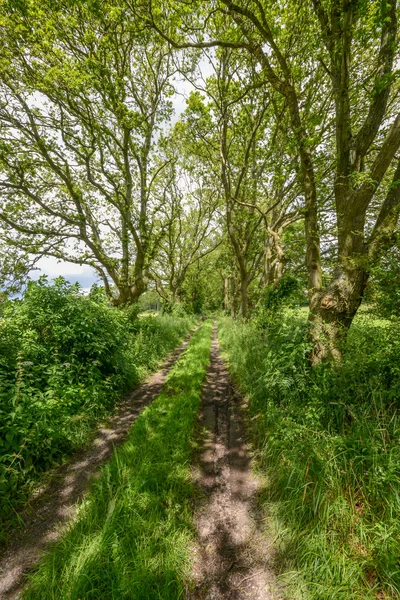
132 533
329 440
65 359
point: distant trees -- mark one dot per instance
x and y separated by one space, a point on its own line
189 219
229 122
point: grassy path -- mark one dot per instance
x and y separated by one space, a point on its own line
233 554
55 505
131 536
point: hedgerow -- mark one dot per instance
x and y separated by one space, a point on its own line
65 359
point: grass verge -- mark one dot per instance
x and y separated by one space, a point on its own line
329 441
132 532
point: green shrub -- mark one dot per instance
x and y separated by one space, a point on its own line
64 361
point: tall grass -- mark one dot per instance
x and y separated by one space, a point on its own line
330 442
133 530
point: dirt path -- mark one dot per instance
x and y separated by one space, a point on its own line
55 504
232 555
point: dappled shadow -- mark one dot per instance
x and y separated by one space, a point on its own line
56 502
232 555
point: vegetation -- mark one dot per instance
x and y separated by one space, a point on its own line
239 157
297 120
64 361
329 440
132 533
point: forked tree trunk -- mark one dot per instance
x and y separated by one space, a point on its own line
274 258
332 313
129 294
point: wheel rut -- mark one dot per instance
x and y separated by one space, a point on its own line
232 556
55 504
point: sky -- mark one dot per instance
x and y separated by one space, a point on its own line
84 275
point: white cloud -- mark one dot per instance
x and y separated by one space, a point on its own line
83 274
49 265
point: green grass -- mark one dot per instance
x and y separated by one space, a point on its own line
132 533
329 441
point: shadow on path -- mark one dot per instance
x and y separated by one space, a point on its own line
232 556
56 502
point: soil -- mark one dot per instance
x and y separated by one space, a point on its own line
55 503
233 555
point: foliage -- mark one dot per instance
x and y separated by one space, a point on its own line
384 288
287 292
282 173
330 442
304 102
80 122
64 360
134 528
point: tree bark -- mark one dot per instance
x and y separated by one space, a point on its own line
244 300
226 293
233 298
333 312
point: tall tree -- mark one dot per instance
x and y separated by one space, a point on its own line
229 118
84 91
190 220
324 56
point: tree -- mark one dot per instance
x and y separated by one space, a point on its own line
14 268
337 57
190 220
229 118
84 91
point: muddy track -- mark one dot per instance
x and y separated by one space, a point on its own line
232 556
55 503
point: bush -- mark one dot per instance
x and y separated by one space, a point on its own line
384 285
64 361
288 292
330 442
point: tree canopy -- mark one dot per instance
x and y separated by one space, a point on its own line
285 160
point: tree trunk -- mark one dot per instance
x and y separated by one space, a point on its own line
268 276
233 298
128 295
274 258
226 293
244 300
333 312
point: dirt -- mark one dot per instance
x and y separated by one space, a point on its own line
233 555
55 504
